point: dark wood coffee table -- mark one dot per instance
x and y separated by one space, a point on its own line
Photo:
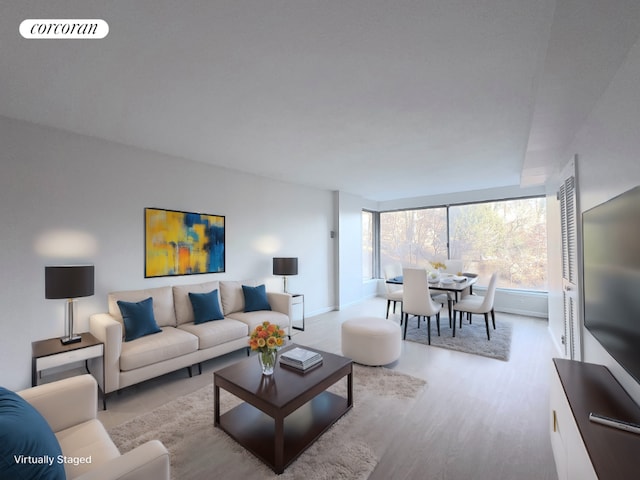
283 413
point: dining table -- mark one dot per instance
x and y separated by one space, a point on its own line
447 283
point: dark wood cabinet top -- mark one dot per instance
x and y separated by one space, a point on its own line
615 454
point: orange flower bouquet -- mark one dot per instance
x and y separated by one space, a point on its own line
266 339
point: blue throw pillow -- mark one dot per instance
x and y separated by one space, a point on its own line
255 298
28 447
138 319
205 307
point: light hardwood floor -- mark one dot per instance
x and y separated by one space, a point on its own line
478 418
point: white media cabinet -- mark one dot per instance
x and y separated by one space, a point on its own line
585 450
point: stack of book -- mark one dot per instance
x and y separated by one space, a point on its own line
300 359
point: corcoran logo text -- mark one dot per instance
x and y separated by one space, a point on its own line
64 29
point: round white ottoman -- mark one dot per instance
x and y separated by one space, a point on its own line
371 340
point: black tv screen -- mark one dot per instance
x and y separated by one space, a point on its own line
611 250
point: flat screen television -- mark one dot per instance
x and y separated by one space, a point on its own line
611 277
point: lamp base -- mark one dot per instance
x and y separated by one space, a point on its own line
71 339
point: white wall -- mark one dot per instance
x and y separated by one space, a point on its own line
554 270
52 180
350 286
608 148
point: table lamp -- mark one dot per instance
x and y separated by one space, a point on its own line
69 282
285 266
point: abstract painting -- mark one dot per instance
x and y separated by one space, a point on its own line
183 243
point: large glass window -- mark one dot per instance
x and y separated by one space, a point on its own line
367 245
508 237
413 237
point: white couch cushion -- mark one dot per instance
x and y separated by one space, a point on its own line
170 343
217 332
253 319
163 310
88 439
182 302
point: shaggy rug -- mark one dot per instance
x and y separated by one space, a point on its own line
471 338
350 449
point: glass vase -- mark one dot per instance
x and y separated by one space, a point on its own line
267 361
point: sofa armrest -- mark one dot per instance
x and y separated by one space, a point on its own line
66 402
109 331
280 302
148 461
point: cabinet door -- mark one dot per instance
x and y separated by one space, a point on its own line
578 461
572 459
568 218
559 410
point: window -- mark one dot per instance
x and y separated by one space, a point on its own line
413 237
507 236
367 245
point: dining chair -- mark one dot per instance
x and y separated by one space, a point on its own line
444 299
453 266
416 300
393 293
478 304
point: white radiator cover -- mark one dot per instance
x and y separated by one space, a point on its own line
534 304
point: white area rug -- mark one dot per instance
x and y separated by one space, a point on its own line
349 450
471 338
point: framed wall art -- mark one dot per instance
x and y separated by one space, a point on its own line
182 243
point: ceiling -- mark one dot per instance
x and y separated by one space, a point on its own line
378 98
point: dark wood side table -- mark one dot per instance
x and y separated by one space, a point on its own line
52 353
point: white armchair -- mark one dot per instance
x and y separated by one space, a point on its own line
70 408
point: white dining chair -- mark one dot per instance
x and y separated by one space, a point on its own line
478 304
453 266
393 293
417 301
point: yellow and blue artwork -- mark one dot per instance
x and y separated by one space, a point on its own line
183 243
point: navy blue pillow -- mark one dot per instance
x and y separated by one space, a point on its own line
28 447
255 298
205 307
138 319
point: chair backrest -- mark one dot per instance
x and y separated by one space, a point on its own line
416 298
487 303
392 270
453 266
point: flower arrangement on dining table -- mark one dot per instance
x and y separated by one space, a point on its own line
438 265
266 338
434 275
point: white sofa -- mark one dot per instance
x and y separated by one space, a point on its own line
181 343
70 408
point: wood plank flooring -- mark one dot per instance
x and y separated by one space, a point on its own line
478 418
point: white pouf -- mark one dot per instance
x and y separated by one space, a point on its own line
371 340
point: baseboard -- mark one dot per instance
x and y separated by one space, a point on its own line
319 311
